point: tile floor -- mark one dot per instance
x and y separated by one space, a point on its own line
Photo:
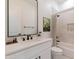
65 57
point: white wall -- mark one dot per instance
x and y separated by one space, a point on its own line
66 5
45 10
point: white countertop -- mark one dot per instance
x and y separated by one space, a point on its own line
24 45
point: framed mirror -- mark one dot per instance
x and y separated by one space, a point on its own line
22 17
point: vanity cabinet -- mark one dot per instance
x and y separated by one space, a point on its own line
43 55
37 51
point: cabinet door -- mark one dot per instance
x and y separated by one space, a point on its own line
34 58
45 54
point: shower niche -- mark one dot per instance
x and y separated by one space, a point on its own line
70 27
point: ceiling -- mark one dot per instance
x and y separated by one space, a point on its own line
60 1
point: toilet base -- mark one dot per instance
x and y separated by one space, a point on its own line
57 53
57 57
63 57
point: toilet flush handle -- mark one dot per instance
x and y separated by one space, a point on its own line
57 41
39 57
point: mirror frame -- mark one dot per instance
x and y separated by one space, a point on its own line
8 22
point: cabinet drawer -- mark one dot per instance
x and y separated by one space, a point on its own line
30 52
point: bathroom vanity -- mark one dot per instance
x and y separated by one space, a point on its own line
35 49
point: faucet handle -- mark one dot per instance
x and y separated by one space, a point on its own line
31 37
27 37
57 41
23 39
15 40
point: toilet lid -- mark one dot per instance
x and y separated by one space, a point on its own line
57 49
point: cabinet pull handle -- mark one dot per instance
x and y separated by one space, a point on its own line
39 57
35 58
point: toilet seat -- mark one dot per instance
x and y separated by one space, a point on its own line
57 49
57 53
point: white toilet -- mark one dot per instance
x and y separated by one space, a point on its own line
57 53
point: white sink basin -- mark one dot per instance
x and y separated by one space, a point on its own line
24 45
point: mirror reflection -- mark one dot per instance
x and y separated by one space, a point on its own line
22 17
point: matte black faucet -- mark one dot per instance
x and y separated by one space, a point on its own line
15 40
28 37
23 39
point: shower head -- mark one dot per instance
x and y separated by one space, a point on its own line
35 0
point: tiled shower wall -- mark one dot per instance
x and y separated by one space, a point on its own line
65 26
